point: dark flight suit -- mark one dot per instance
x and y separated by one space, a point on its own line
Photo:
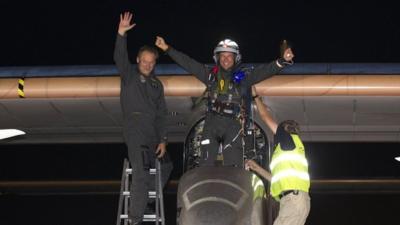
144 127
220 127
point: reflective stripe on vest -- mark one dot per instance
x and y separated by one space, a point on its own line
258 187
289 169
290 173
290 156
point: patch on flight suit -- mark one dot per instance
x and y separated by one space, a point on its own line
155 83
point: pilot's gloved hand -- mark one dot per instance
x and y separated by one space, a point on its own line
286 57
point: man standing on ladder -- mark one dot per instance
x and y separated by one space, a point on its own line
228 97
144 115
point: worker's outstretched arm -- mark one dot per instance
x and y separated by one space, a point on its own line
252 165
266 117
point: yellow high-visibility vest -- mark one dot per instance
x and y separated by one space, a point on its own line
289 169
258 187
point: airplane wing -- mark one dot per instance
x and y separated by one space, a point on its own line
80 104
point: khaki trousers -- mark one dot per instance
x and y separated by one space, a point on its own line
293 209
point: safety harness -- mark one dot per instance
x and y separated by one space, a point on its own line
226 97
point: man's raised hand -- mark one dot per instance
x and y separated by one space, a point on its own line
161 43
125 23
288 55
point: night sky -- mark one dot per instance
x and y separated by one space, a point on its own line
47 33
83 32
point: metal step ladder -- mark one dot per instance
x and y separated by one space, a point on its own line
123 206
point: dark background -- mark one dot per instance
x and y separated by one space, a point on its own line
45 33
76 32
104 162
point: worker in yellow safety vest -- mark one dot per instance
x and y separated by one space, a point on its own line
289 178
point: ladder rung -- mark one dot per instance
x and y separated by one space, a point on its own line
151 171
146 218
150 218
152 194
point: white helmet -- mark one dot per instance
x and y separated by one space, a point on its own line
227 45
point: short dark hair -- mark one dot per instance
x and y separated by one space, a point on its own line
146 48
291 126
